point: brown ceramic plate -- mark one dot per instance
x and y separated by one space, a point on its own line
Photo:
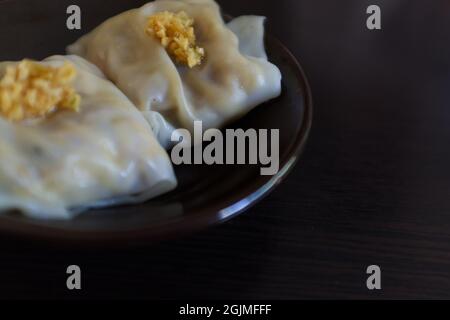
206 194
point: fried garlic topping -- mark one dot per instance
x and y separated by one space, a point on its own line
176 33
31 90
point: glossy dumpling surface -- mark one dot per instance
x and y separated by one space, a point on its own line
234 77
103 155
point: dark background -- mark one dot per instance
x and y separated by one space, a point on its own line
373 186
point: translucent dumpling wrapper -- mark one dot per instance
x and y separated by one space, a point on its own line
233 78
104 154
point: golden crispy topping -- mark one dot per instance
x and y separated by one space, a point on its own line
32 90
176 33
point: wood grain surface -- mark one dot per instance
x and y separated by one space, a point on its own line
373 186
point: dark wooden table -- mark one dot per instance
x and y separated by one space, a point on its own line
373 186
